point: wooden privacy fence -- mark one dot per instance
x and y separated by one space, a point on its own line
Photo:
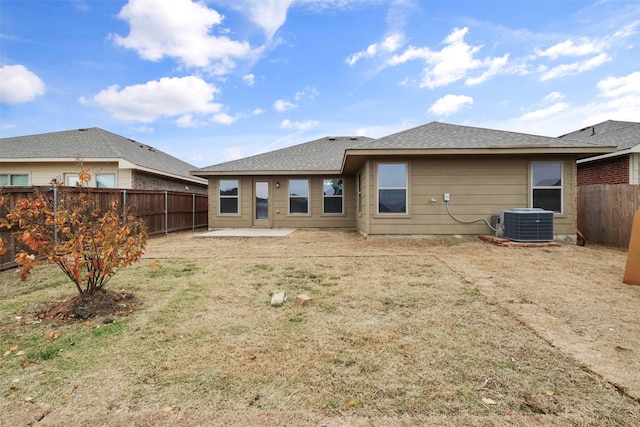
162 211
605 213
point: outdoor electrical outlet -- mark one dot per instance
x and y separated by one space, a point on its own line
446 197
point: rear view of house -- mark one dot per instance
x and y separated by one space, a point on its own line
435 179
113 160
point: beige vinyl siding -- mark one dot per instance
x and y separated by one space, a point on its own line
479 187
316 219
363 219
43 173
245 204
279 210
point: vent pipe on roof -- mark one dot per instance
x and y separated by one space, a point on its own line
593 130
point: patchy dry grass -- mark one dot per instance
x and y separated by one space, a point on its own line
391 338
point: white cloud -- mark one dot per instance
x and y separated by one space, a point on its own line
269 15
574 68
553 96
621 100
223 119
450 104
258 111
187 121
167 97
545 112
180 29
282 105
494 66
288 124
309 92
584 47
249 79
390 44
452 63
19 85
618 86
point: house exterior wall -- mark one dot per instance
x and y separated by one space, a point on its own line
148 181
479 187
363 217
613 170
278 204
41 173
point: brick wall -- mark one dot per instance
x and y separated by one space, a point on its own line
147 181
614 170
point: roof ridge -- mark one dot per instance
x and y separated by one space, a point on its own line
108 141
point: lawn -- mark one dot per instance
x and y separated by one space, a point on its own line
393 336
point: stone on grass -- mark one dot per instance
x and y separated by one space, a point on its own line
303 300
278 298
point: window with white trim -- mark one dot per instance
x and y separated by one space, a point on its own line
106 180
392 188
546 186
229 196
71 179
298 196
16 179
332 198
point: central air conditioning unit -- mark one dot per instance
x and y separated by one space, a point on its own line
527 225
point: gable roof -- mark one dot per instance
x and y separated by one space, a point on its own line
321 155
437 138
623 135
94 144
436 135
345 154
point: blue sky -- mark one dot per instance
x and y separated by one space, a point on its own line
212 81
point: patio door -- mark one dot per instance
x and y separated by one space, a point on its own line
262 204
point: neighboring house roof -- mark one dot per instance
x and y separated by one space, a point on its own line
623 135
94 144
345 154
321 155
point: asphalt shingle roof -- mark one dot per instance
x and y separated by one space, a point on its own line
437 135
623 135
323 154
93 143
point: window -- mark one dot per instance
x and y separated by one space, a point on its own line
14 179
71 179
546 185
298 196
392 188
332 196
106 180
229 196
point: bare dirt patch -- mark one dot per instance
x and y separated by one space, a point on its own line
106 304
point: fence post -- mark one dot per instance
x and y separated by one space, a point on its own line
124 205
193 211
55 215
166 212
